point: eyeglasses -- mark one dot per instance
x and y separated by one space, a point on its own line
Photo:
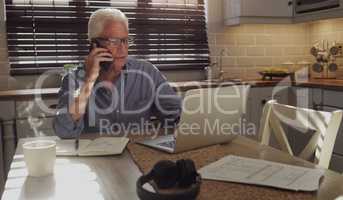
114 42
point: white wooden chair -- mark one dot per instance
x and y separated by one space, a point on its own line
325 125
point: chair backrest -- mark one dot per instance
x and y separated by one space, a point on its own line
324 124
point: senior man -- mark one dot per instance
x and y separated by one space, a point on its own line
124 95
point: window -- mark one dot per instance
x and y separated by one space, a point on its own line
46 34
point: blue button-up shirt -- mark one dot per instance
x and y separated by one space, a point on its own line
139 93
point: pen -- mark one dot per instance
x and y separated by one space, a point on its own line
77 141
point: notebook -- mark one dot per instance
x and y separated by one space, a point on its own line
98 147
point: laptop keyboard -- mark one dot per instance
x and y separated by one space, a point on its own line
168 144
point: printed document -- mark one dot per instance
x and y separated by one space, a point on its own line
260 172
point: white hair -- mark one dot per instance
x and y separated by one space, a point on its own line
100 17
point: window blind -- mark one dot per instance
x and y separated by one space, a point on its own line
46 34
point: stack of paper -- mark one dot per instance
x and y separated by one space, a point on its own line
260 172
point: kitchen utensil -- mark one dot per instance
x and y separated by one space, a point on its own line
332 67
317 67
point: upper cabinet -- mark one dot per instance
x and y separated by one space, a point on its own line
309 10
280 11
258 11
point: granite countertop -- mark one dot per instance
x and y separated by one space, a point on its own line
331 84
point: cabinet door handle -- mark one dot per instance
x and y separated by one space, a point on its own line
53 106
321 106
290 3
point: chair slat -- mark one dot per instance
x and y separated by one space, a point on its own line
307 152
279 133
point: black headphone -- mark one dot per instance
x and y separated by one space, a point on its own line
168 174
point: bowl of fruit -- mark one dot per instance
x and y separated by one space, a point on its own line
275 72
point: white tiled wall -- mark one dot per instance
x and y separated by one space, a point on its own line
247 49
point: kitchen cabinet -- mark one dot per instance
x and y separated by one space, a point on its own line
9 143
2 170
336 12
336 163
258 96
317 97
332 100
7 139
7 110
300 97
261 11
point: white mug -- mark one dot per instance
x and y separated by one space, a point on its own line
40 156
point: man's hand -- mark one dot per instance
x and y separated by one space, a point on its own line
93 60
97 55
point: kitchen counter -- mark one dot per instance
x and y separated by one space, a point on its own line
331 84
25 94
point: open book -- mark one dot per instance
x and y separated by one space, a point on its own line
97 147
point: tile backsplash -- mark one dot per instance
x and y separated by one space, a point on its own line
246 49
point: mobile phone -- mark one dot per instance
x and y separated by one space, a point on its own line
105 65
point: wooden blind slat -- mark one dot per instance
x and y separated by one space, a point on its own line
164 29
89 9
159 59
134 51
196 37
22 14
82 42
86 47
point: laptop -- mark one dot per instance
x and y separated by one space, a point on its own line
209 116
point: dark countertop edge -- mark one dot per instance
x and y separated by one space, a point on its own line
26 94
